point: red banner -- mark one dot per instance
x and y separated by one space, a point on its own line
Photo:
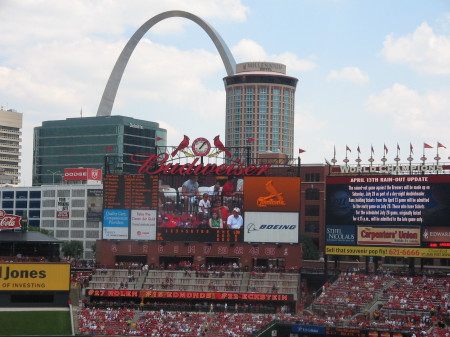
191 295
8 221
82 174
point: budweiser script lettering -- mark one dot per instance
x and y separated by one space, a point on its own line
157 164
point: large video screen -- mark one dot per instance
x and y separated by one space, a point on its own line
229 209
385 210
201 208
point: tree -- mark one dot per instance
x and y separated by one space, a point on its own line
72 249
38 229
94 248
309 250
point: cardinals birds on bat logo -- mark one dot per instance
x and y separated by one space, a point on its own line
218 143
184 144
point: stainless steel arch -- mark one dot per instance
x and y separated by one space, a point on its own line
109 94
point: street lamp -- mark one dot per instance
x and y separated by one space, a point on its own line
53 175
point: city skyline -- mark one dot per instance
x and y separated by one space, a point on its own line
370 73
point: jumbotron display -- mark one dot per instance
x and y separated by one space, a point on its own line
385 210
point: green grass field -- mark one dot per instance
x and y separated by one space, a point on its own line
44 323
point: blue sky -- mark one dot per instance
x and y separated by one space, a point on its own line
370 72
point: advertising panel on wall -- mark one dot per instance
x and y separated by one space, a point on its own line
388 200
143 225
340 235
388 251
435 234
272 194
82 174
275 227
94 205
388 236
62 208
34 276
116 223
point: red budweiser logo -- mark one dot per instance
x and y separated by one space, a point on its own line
8 221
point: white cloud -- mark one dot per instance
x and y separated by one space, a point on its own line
351 74
247 50
422 50
56 56
422 115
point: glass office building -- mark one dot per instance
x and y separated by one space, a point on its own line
91 142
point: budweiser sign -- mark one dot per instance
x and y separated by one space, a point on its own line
158 164
8 221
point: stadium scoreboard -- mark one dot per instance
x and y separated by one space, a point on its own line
130 192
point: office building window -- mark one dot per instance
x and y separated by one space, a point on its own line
312 194
312 210
312 177
312 226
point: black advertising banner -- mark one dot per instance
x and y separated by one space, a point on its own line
94 205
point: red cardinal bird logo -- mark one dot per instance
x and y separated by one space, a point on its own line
184 143
220 146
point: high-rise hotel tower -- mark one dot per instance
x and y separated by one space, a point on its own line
260 101
10 139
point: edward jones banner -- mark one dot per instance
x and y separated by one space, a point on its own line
385 236
272 194
34 276
436 234
388 251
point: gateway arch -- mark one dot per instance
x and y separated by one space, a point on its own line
109 94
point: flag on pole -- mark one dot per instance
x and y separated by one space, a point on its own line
159 138
358 149
371 149
411 148
385 149
426 146
440 145
250 139
398 147
347 148
301 151
109 148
